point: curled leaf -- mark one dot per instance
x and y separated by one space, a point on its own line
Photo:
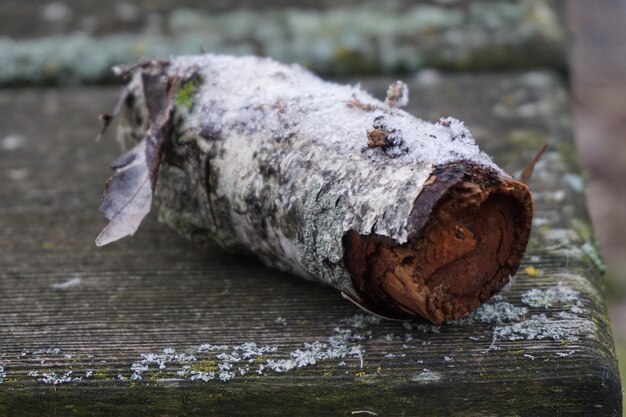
127 197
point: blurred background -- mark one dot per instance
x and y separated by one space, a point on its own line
75 42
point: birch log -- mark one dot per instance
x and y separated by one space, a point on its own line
322 180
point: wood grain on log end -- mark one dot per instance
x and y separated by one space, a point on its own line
469 228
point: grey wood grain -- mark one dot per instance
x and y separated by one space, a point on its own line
67 306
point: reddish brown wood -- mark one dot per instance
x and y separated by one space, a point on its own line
468 232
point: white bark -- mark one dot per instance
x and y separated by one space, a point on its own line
273 160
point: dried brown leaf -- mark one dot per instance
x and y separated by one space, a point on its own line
528 171
127 198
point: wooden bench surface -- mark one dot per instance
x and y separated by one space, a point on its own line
137 327
77 41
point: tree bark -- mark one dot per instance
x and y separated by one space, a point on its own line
404 217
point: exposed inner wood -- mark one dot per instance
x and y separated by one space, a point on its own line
468 232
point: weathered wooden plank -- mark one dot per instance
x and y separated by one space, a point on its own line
78 41
67 306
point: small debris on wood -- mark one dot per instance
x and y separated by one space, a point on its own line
397 95
358 104
377 138
384 137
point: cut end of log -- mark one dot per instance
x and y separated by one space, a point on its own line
468 232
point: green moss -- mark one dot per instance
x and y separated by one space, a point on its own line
204 366
100 375
186 92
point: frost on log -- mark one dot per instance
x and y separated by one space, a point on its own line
404 217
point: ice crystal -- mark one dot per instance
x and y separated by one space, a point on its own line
540 327
45 351
53 378
233 360
495 311
553 296
426 376
206 347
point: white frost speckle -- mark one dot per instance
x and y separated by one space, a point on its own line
360 321
2 374
540 327
46 351
70 283
341 345
281 320
53 378
559 295
424 328
247 357
207 347
565 354
161 360
426 376
495 311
